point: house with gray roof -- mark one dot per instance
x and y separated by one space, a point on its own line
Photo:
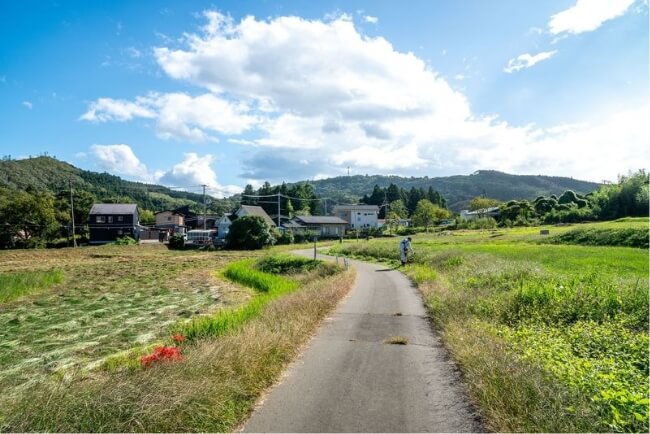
109 221
245 210
324 226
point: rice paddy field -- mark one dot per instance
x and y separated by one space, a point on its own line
550 331
68 309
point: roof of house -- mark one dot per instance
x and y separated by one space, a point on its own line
292 224
114 208
492 209
321 220
174 212
258 211
360 206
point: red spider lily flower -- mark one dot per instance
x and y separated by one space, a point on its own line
160 354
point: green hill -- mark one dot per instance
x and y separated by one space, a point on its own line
457 190
48 174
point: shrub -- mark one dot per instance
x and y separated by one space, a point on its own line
176 242
300 237
125 241
249 233
285 237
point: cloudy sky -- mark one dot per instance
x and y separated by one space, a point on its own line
226 93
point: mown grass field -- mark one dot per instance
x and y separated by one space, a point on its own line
72 336
551 338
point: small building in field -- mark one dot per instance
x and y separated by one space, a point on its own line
251 210
358 217
109 221
324 226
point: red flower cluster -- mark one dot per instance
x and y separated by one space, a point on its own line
162 353
179 338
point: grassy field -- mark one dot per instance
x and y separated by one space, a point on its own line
71 350
100 301
549 337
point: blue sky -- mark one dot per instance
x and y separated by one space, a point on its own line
235 92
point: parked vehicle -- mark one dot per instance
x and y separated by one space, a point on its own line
200 237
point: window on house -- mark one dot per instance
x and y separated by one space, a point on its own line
110 219
169 218
100 219
120 218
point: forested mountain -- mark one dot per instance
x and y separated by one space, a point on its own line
46 174
457 190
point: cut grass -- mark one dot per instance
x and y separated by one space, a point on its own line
15 285
212 389
113 298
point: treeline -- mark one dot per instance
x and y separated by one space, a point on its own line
627 198
297 199
409 199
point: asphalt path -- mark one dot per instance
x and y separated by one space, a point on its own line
349 379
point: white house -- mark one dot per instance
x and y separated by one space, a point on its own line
358 216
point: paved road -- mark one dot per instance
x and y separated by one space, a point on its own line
350 380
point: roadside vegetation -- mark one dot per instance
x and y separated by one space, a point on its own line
185 344
551 338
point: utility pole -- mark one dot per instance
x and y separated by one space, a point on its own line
74 238
279 194
205 208
348 170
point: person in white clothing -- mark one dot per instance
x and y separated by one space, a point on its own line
405 249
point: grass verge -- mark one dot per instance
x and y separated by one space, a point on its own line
550 338
212 389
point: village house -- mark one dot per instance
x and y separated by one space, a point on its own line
171 220
251 210
109 221
358 217
323 226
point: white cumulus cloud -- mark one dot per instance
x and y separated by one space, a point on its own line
196 170
587 15
178 115
527 60
121 159
370 19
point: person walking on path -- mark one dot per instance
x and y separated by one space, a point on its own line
405 249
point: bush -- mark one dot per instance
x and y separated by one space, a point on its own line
176 242
285 237
249 233
300 237
125 241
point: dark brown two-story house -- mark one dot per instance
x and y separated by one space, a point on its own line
110 221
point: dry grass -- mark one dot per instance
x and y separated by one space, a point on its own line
212 389
397 340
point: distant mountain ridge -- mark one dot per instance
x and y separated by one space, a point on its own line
49 174
458 190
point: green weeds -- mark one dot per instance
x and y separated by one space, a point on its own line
14 285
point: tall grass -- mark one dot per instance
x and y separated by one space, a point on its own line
269 287
14 285
627 237
551 338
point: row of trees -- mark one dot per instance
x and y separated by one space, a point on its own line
393 195
627 198
302 199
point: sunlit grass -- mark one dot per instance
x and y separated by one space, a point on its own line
15 285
